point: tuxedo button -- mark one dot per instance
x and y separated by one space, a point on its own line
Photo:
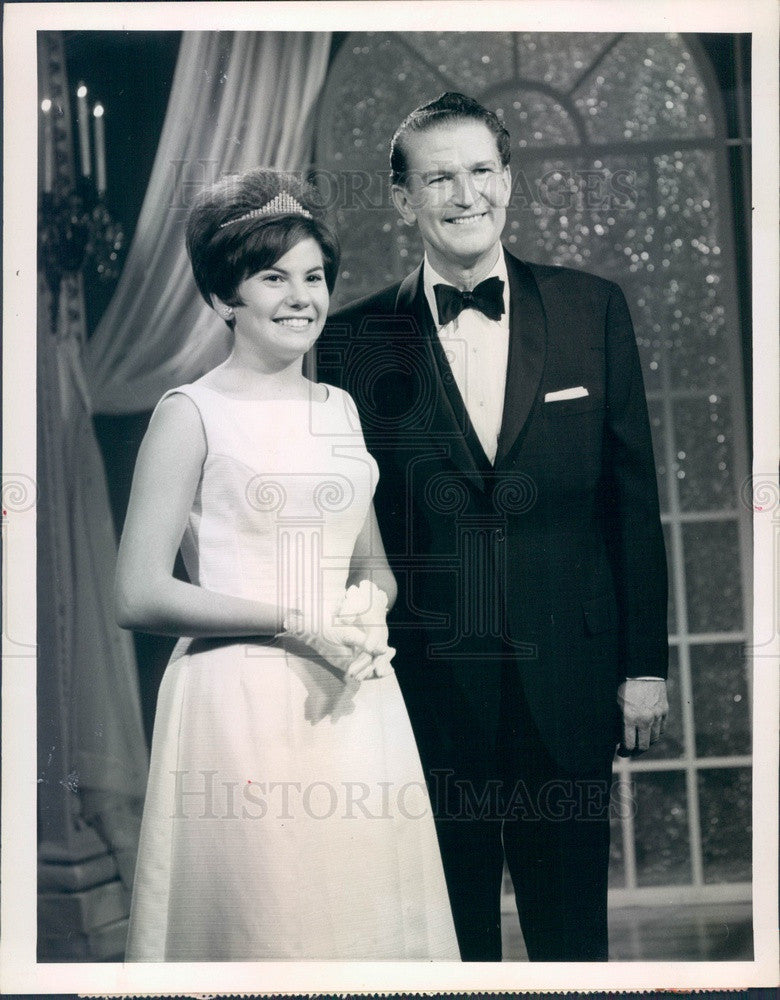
498 534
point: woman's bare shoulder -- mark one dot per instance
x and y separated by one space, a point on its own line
176 425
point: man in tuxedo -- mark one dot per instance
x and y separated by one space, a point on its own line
517 500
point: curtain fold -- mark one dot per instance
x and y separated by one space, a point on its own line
239 100
91 746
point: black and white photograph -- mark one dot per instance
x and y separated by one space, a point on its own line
391 517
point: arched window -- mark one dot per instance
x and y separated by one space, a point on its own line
619 167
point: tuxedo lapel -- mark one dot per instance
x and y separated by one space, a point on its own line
450 425
527 350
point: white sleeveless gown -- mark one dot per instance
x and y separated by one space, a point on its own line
286 815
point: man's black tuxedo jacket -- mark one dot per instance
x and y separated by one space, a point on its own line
555 551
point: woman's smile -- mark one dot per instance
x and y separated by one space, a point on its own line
283 308
296 322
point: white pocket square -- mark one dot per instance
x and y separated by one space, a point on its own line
574 393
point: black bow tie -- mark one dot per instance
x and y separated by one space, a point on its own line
487 297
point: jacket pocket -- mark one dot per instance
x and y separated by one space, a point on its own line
564 407
601 614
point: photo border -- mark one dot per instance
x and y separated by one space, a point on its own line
20 970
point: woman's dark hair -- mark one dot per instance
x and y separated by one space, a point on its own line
446 109
226 249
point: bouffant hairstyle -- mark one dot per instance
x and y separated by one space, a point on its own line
226 249
446 109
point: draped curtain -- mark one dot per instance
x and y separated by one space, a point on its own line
239 100
92 753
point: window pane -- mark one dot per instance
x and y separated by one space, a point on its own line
704 438
647 87
366 98
645 299
534 119
558 59
690 306
661 823
724 801
585 212
720 699
712 572
617 870
468 61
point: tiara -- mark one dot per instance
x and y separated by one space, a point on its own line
281 204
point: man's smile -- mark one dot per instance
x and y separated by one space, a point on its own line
466 220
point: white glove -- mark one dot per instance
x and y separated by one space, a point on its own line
365 606
340 644
645 706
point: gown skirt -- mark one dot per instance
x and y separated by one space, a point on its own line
286 813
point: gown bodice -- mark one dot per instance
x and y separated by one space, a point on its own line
284 492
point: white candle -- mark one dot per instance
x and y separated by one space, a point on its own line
83 117
100 148
48 147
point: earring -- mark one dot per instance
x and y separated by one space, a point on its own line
228 313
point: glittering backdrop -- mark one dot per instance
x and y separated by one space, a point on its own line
619 167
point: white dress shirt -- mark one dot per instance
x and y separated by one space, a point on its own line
477 349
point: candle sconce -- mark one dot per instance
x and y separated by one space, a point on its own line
77 233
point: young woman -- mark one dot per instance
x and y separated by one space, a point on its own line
286 813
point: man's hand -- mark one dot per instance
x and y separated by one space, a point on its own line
644 705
